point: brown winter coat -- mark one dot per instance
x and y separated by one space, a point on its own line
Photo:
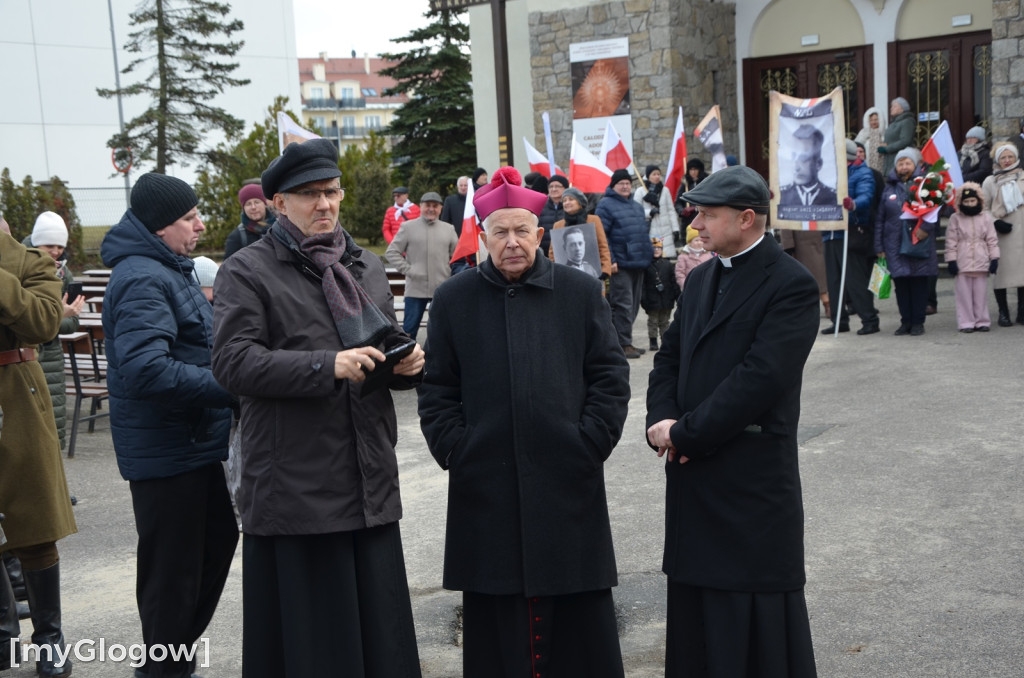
33 489
316 456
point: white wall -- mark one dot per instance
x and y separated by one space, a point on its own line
55 53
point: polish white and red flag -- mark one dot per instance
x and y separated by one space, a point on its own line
586 172
538 161
613 151
676 158
941 145
469 238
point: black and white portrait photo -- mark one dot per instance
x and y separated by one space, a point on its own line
807 169
576 247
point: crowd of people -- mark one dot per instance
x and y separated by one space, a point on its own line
196 351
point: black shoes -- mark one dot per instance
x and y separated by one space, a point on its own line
832 328
982 328
867 329
1004 319
654 344
631 352
916 330
902 330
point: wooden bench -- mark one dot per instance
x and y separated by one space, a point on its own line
85 376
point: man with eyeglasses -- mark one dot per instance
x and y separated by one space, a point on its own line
421 251
300 318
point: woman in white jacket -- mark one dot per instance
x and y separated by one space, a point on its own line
871 136
662 220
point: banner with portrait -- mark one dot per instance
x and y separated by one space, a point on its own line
807 162
709 133
576 247
600 91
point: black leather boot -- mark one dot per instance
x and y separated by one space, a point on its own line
14 573
1004 309
44 600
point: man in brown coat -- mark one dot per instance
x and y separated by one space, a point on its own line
33 489
300 317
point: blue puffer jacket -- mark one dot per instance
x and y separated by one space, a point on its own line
167 413
626 228
860 184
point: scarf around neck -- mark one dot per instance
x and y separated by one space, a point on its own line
358 320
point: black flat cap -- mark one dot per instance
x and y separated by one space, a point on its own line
738 187
313 160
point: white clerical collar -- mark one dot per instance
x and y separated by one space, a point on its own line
727 261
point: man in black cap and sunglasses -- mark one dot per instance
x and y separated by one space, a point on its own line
301 318
723 405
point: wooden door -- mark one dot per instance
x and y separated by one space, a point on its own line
805 75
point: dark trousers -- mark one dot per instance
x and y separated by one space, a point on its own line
413 314
858 273
187 537
912 298
624 297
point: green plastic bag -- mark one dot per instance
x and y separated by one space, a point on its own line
881 282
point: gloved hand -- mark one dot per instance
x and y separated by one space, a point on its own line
848 204
992 266
1003 227
689 211
883 149
677 239
655 211
954 268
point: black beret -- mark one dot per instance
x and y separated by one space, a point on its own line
738 187
158 200
313 160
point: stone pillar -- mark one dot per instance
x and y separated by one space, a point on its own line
681 52
1007 67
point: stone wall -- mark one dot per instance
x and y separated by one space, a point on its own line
681 53
1007 67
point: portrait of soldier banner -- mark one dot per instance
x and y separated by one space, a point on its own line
576 247
807 152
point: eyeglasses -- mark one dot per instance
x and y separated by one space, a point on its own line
311 195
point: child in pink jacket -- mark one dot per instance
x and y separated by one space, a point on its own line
691 256
972 253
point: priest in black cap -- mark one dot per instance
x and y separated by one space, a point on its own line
301 317
723 404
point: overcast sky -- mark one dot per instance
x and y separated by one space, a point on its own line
360 25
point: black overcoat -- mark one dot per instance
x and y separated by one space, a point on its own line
731 378
524 396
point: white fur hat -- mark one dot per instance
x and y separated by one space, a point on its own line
49 230
206 270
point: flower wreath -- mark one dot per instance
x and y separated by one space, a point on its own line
926 196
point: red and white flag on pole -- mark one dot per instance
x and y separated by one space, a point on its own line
538 161
941 146
586 172
676 159
469 238
613 152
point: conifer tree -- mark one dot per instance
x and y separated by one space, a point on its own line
436 127
188 66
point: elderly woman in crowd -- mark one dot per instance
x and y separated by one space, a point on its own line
909 273
574 207
1004 196
871 136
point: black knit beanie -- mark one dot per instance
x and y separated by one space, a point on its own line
619 175
159 200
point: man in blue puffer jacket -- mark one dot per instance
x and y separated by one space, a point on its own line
626 228
859 255
168 415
